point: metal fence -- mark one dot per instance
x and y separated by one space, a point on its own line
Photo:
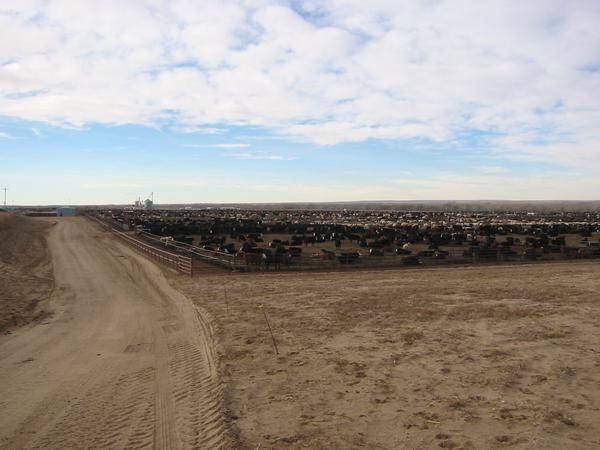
391 260
180 263
210 256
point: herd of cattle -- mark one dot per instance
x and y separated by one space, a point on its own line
268 241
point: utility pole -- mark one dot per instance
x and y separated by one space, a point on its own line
4 189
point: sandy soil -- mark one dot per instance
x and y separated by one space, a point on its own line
25 271
480 357
125 361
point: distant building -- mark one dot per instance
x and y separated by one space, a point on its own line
147 204
65 211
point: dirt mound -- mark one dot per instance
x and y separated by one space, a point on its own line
25 270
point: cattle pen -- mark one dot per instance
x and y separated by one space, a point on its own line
178 255
188 258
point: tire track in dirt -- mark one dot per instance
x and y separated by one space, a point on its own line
197 398
126 362
110 414
197 393
164 430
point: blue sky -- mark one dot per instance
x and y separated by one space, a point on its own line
276 101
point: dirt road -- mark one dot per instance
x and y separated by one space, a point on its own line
125 361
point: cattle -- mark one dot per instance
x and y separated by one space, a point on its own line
371 229
294 251
485 252
569 252
411 260
252 257
348 257
229 249
276 259
507 252
326 255
297 240
531 254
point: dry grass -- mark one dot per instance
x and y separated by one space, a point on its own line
454 358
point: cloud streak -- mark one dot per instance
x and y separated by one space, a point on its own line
225 145
261 155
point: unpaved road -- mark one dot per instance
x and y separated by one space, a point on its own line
126 361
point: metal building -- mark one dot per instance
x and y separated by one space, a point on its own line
65 211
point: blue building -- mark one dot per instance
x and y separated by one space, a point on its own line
65 211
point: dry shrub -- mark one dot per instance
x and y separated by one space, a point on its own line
559 416
350 368
458 403
410 337
494 311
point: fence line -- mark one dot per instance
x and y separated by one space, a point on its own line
315 263
211 256
180 263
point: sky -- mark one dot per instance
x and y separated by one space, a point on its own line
285 101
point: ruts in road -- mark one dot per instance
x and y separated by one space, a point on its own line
125 361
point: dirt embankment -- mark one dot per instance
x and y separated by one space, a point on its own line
26 277
444 358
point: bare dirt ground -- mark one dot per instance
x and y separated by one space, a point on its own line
479 357
25 271
125 361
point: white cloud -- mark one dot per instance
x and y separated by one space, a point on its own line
379 69
231 145
197 130
113 185
5 135
261 155
493 169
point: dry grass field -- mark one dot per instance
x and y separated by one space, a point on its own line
478 357
25 270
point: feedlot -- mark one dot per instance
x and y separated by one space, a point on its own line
282 239
119 353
